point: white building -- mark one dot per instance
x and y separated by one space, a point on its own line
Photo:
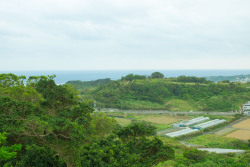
246 108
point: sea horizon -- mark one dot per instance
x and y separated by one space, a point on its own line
62 76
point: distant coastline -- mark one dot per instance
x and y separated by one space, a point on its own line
64 76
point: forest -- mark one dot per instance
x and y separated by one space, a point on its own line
175 94
43 124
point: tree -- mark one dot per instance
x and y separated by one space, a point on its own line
194 154
36 156
7 152
136 129
157 75
61 123
131 77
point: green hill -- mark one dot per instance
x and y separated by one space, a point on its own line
176 94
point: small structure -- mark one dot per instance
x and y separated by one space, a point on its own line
181 132
246 108
208 124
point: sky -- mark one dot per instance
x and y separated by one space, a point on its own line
124 34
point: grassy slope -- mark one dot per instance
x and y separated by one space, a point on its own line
180 105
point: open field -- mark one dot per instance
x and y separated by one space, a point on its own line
240 134
243 125
123 121
164 119
161 121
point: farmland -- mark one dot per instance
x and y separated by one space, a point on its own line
243 132
161 121
240 134
243 125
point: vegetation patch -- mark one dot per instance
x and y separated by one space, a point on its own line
140 105
179 105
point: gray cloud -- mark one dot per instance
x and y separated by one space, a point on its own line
111 34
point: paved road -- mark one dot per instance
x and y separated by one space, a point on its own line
167 112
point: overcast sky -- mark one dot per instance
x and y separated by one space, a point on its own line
124 34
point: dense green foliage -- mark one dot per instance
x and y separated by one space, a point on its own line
56 129
157 75
7 152
196 158
89 84
159 93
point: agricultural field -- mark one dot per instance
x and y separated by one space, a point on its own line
243 132
164 119
161 121
243 125
240 134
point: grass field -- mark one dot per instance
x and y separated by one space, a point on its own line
161 121
215 141
123 121
164 119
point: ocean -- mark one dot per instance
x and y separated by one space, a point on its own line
64 76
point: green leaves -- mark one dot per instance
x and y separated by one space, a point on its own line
136 129
7 152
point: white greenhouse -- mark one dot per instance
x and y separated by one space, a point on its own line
181 132
194 121
208 124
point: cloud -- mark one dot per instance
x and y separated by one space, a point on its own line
119 34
